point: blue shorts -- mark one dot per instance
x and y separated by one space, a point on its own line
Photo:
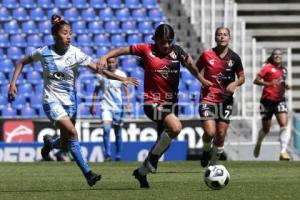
55 111
115 116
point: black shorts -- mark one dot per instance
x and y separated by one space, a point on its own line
219 112
268 108
158 112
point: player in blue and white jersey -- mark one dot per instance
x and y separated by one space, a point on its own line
112 107
60 64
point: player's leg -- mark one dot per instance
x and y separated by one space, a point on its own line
106 117
118 124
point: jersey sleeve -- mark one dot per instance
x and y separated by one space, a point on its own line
138 49
263 71
201 62
82 58
238 66
36 55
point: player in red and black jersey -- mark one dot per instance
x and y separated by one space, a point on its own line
221 66
161 63
273 77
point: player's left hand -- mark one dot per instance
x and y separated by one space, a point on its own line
130 80
231 87
101 64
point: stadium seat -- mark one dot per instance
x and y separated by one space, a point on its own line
62 4
79 27
98 4
45 27
123 14
2 55
36 101
96 27
6 65
182 87
18 40
101 51
3 101
148 38
149 4
29 27
37 14
14 53
146 27
48 39
4 89
106 14
132 4
46 4
87 50
11 27
129 27
89 15
101 40
83 111
118 40
84 40
10 4
38 67
39 89
34 40
30 4
3 79
71 15
27 111
129 64
156 15
25 89
112 27
53 11
4 15
134 39
138 73
41 112
115 4
20 14
81 4
34 77
4 42
19 101
194 86
139 14
9 112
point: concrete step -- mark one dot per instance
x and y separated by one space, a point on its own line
274 32
275 19
268 6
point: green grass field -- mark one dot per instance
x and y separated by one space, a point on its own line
174 180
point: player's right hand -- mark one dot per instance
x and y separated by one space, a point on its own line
12 92
131 80
207 83
101 63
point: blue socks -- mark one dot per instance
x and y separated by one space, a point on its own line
106 139
118 133
55 143
76 152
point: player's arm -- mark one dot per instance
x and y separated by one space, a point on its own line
102 62
127 93
260 81
18 69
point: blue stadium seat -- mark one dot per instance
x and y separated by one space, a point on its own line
2 55
48 39
3 101
115 4
149 4
84 40
37 14
3 79
83 111
4 15
27 111
9 112
4 42
148 38
38 67
139 74
156 15
134 39
129 27
14 53
182 87
62 4
18 40
98 4
45 27
20 14
46 4
6 65
41 112
79 27
106 14
101 51
10 4
123 14
146 27
96 27
34 40
118 40
29 27
89 15
101 40
129 64
39 88
139 14
27 4
87 50
11 27
194 87
25 89
53 11
132 4
4 90
81 4
34 77
19 101
71 15
112 26
36 101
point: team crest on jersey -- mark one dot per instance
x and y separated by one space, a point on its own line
69 60
273 70
230 63
212 61
173 55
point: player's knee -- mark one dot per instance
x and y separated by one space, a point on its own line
266 129
73 133
175 130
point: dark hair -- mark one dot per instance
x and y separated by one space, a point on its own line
57 23
222 27
270 58
163 31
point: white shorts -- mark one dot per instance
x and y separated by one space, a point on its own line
115 116
55 111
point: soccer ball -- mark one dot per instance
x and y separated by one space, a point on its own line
216 177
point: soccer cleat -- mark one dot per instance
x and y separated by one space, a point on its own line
151 162
142 179
205 158
118 159
284 156
257 149
108 159
46 148
92 178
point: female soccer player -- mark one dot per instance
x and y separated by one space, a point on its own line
60 69
273 77
161 62
220 65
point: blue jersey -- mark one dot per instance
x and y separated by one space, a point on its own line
60 73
